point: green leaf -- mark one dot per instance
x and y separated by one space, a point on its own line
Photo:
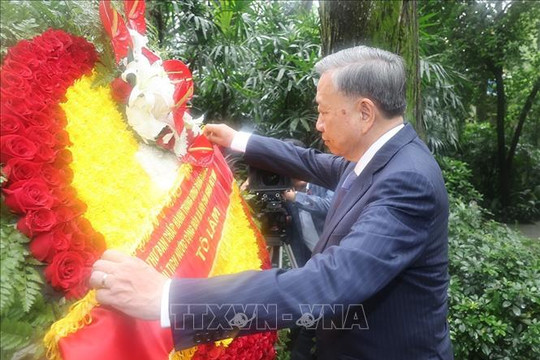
14 334
31 288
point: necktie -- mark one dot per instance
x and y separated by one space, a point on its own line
338 198
344 189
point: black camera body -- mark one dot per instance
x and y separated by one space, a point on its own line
273 215
265 181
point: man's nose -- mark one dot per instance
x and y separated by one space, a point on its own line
319 124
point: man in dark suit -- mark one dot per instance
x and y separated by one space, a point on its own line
308 205
376 287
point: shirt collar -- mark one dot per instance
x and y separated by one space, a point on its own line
376 146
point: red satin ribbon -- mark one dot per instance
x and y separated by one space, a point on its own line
114 336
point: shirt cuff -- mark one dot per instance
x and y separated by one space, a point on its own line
301 197
165 320
240 140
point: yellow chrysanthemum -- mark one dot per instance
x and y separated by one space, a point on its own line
122 200
237 241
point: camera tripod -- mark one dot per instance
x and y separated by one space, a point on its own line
276 246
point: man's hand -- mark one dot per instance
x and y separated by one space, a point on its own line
289 195
219 134
128 284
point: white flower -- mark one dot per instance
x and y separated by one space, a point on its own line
180 143
139 41
151 100
193 124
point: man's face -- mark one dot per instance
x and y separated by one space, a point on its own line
338 121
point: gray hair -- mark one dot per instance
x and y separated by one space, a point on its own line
373 73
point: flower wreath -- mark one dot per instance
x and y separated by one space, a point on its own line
35 77
46 83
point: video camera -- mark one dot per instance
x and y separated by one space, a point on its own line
272 212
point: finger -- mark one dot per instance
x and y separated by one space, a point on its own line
211 127
209 130
105 266
114 255
96 279
105 297
209 135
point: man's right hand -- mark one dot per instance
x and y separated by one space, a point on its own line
219 134
289 195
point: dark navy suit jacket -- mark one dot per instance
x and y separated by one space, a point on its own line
383 252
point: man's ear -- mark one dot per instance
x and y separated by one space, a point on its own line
366 108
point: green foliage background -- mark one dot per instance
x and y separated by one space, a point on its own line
494 295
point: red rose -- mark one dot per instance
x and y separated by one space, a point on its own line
63 158
44 82
45 246
79 241
66 213
19 169
67 272
120 90
17 107
15 83
56 177
45 153
84 226
90 256
23 51
62 138
39 120
34 63
33 194
40 136
65 196
60 117
84 236
49 46
54 69
97 244
10 124
16 146
37 221
17 67
61 36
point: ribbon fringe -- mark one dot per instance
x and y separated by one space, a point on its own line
77 318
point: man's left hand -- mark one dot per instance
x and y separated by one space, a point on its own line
128 284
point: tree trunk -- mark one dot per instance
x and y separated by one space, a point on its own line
504 171
307 5
389 25
343 24
482 106
157 16
408 48
521 120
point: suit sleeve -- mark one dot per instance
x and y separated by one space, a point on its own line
317 205
293 161
390 233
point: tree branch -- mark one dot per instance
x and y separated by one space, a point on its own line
521 120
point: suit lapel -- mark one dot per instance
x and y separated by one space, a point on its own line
362 183
333 208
